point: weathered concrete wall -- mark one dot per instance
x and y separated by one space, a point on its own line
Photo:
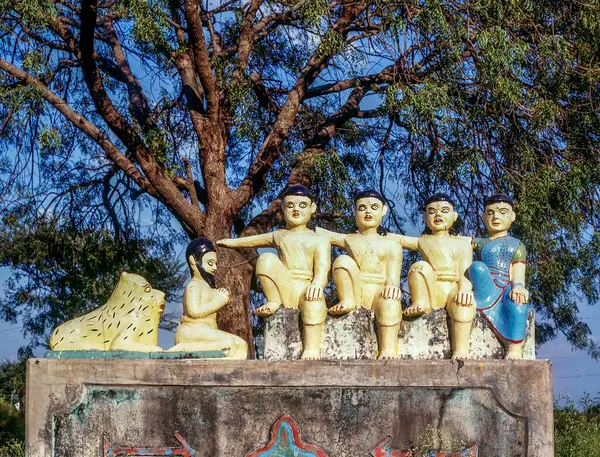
353 336
226 409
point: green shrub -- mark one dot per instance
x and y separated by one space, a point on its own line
577 433
13 448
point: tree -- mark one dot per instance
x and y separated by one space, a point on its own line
204 111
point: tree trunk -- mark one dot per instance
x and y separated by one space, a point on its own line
235 274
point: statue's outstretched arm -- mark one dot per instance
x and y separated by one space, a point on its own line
253 241
337 239
408 242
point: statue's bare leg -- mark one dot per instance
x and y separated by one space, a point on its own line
461 321
191 337
422 285
347 279
388 315
313 314
274 279
515 351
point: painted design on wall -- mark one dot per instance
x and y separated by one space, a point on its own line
185 450
285 440
383 450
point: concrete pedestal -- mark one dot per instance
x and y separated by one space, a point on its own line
344 409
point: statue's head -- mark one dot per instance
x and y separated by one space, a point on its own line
201 256
298 205
439 214
369 209
499 213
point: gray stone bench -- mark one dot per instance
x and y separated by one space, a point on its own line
353 337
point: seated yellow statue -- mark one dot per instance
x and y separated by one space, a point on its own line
370 275
439 281
297 277
198 330
127 322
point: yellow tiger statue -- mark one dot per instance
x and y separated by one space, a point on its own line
127 322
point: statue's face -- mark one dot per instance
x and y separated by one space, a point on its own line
209 262
297 210
369 212
498 217
439 216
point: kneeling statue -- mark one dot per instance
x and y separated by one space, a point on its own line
198 330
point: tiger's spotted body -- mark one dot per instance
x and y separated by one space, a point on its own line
128 321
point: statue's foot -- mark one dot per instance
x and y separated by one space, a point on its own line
268 309
311 354
510 356
460 355
387 356
416 309
343 307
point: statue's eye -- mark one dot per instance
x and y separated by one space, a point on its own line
445 209
303 205
147 287
211 263
375 207
362 207
431 211
503 211
289 205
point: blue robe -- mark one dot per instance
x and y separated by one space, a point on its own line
491 288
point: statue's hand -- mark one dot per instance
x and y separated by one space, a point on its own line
313 293
519 294
391 293
464 298
223 295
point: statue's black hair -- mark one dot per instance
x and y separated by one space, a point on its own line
499 198
298 189
369 193
438 198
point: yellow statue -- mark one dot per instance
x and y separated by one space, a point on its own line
370 275
439 281
198 330
127 322
297 277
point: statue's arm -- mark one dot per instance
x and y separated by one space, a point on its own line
195 304
464 262
322 264
394 266
519 293
337 239
408 242
253 241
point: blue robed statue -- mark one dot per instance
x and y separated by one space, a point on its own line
498 275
